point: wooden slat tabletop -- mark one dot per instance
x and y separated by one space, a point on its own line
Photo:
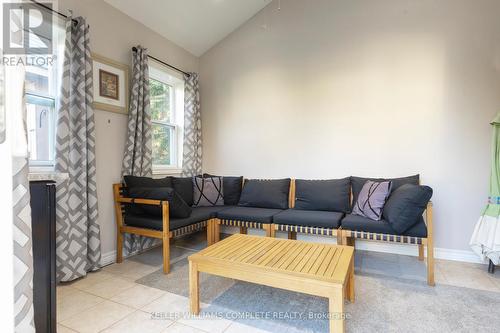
317 261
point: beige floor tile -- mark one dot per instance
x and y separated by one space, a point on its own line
98 317
90 279
170 306
180 328
64 329
131 270
495 278
109 287
474 276
138 296
75 303
439 276
139 322
241 328
208 324
63 291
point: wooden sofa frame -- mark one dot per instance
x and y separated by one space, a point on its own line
165 234
344 237
348 237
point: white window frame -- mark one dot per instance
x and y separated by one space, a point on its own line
175 80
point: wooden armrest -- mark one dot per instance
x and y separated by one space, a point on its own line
142 201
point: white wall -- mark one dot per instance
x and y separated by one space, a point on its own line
332 88
112 35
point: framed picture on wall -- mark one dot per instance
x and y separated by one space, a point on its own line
110 84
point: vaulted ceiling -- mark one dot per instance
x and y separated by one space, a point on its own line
195 25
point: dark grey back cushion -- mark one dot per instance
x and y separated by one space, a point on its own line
184 187
232 189
405 206
147 182
143 182
177 207
326 195
265 193
358 182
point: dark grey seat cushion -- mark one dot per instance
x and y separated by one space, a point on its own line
329 195
360 223
358 182
265 193
198 214
249 214
184 187
309 218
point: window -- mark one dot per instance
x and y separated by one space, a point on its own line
167 117
42 86
41 114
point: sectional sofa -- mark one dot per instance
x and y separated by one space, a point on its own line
317 207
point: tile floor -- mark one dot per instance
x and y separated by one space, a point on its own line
110 301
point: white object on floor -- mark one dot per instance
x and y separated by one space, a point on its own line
485 240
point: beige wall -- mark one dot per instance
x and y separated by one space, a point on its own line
112 35
332 88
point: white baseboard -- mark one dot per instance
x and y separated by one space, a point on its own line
108 258
411 250
458 255
403 249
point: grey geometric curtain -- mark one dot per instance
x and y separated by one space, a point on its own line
78 244
192 156
137 159
23 258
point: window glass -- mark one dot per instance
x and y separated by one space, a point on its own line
40 125
162 144
41 86
160 101
166 108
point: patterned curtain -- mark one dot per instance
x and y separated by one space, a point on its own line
23 258
192 156
137 159
78 244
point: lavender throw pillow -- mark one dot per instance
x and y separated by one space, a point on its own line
371 199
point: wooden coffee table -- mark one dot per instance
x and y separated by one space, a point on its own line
315 269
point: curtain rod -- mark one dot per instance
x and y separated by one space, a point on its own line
52 10
164 63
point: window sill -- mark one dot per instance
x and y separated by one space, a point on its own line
167 172
40 174
45 169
